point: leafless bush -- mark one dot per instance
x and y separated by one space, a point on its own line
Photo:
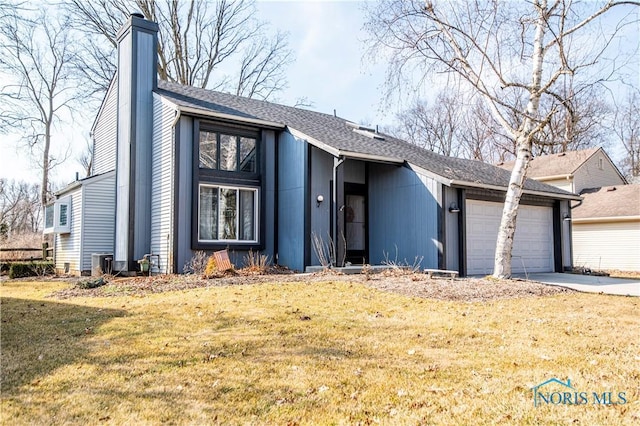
197 264
402 265
255 262
326 250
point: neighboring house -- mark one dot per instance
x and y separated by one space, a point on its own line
606 224
606 229
574 171
202 170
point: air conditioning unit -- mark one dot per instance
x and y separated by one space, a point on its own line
101 263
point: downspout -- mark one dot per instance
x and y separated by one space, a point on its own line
334 231
171 243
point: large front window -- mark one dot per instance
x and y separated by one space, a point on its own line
227 214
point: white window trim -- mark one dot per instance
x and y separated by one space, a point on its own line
256 211
57 227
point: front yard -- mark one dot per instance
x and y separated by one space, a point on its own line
311 352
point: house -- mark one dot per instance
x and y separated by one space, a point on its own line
606 229
574 171
202 170
606 223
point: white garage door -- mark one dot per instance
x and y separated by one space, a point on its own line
533 245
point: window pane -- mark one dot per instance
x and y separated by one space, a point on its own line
247 215
63 215
48 216
247 155
208 213
228 153
208 150
228 214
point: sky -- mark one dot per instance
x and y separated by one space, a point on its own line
329 71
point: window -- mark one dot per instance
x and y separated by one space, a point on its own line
56 217
227 152
227 214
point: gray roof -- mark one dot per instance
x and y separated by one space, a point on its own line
340 135
609 201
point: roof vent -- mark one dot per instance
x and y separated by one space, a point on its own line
562 154
138 15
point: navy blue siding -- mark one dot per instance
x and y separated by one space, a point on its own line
292 170
321 175
403 213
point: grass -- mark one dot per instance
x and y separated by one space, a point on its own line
322 353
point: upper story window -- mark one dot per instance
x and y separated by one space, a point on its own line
227 152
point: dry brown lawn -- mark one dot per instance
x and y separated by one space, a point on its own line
310 352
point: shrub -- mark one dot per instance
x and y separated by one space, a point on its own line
198 263
256 263
211 268
85 284
30 269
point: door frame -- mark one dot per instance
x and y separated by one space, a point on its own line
357 256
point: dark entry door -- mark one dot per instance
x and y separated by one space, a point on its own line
355 219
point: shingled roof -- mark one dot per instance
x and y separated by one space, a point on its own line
343 136
565 163
609 201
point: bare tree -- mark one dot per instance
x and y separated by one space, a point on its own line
435 127
35 57
198 41
501 51
20 210
85 158
626 127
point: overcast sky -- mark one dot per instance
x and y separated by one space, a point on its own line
329 70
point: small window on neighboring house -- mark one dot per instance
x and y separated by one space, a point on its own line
227 214
57 217
227 152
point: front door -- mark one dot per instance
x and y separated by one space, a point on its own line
355 219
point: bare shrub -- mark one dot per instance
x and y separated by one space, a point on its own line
402 265
22 240
326 250
197 264
256 263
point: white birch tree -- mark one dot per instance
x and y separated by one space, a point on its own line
502 51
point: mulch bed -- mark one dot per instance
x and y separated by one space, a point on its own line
395 281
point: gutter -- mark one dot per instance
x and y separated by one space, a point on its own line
606 219
555 177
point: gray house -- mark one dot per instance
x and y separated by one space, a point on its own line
201 170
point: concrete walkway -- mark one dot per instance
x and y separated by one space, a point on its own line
589 283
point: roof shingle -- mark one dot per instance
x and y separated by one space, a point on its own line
337 133
609 201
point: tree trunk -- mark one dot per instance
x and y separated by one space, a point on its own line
524 137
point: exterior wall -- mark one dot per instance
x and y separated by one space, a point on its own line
68 246
162 185
104 132
321 176
452 230
354 171
590 175
98 230
292 180
607 246
403 214
566 184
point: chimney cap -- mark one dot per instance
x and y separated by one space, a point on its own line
138 15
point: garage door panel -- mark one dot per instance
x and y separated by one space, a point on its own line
533 243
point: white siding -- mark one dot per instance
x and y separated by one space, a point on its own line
162 184
591 175
606 246
565 184
99 215
104 133
68 246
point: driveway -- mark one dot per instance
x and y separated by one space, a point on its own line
589 283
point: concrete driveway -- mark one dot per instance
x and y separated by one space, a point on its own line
589 283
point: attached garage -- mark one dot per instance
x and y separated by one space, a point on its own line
533 249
